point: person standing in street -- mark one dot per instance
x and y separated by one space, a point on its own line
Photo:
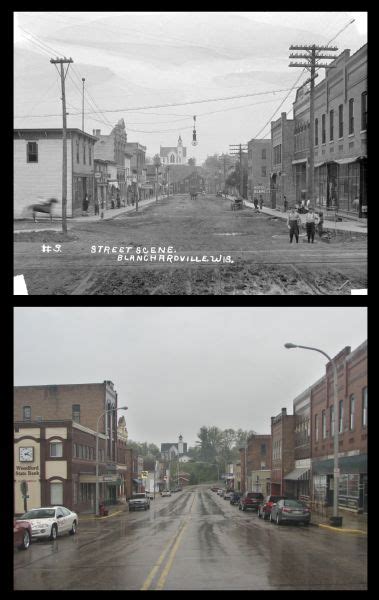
293 223
285 203
85 205
96 205
320 223
260 202
311 220
255 203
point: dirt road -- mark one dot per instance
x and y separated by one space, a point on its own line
253 249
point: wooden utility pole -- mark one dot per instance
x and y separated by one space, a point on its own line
238 149
61 61
312 57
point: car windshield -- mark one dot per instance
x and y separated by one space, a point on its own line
293 503
42 513
138 496
275 498
254 495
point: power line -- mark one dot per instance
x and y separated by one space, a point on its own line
137 108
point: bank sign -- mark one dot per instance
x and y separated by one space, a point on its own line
23 471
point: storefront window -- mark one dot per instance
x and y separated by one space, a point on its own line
56 493
319 488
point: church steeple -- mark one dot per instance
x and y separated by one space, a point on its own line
180 143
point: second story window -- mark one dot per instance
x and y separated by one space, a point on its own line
76 413
89 156
32 152
84 154
77 151
56 449
364 111
364 407
263 171
323 130
26 413
323 424
264 154
351 115
352 412
331 125
316 132
316 428
340 121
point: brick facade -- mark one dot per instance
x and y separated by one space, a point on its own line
283 438
282 141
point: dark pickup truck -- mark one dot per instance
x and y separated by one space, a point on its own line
250 500
139 501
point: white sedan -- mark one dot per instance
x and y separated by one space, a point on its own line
51 521
166 493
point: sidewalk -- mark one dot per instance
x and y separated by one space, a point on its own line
351 522
348 225
109 214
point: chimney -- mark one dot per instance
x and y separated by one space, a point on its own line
96 132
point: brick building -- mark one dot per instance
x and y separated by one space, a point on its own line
282 458
113 147
75 410
37 169
340 143
282 142
258 462
297 481
352 426
258 169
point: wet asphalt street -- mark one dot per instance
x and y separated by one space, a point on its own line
193 540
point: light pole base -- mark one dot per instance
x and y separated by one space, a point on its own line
336 521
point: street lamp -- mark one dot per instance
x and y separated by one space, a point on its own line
97 456
335 520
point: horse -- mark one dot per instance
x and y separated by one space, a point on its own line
43 207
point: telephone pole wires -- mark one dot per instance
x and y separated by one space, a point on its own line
63 75
312 55
238 149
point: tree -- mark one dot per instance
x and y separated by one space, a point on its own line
192 162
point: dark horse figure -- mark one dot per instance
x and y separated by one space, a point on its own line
43 207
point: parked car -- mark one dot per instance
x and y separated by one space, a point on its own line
250 501
228 495
264 509
214 489
166 493
51 521
235 498
221 492
22 534
139 500
290 510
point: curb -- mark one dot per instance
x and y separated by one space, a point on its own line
341 529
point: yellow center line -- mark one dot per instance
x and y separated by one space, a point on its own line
177 536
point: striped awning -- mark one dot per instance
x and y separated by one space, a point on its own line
346 161
300 160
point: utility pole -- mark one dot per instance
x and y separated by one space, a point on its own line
312 56
238 149
83 79
61 61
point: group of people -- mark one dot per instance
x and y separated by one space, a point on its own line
255 201
312 220
115 203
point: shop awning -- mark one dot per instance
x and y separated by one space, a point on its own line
346 161
322 162
300 160
347 464
114 183
296 474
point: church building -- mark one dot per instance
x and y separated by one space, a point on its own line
174 156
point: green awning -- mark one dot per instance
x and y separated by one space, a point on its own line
346 464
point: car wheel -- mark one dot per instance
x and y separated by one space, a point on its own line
73 528
259 514
54 533
271 519
25 540
278 520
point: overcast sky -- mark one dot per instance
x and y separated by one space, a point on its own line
142 59
179 368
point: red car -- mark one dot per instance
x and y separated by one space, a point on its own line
250 500
264 509
22 534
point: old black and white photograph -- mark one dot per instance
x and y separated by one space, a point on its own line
210 448
190 153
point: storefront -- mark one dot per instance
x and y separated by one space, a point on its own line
353 482
341 185
82 185
299 177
